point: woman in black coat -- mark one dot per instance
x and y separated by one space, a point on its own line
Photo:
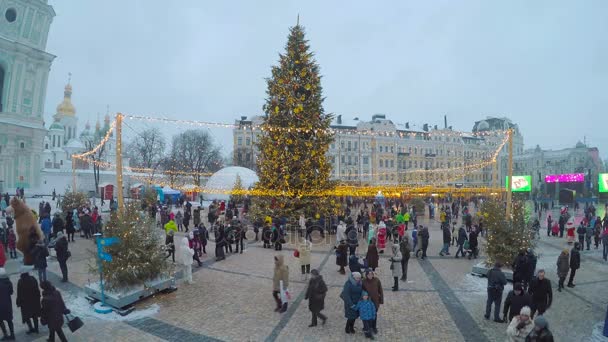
6 305
69 226
315 293
53 309
58 224
28 299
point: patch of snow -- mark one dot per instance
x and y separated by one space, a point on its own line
597 335
80 306
478 285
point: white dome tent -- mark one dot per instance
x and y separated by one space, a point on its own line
224 179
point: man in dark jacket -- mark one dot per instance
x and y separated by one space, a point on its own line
404 246
462 237
516 299
521 267
86 224
542 294
58 224
28 299
496 284
61 249
532 260
447 237
541 332
52 310
424 236
40 253
575 263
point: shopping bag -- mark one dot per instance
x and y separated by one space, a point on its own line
285 296
74 322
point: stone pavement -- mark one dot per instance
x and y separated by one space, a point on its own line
231 300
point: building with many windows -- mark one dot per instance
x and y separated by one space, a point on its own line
380 152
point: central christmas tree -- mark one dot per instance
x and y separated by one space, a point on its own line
293 169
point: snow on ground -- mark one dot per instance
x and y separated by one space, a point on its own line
80 306
477 287
597 334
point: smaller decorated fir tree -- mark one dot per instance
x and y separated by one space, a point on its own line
73 200
138 257
237 191
505 237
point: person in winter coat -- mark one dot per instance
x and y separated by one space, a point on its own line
424 239
6 305
352 239
315 294
520 267
12 243
549 225
404 246
473 243
28 299
520 326
516 299
604 238
462 237
69 226
351 293
496 284
52 311
304 250
447 237
563 265
353 264
186 220
186 255
170 226
541 332
372 255
86 224
170 245
396 266
46 226
532 260
280 277
62 253
58 225
541 292
371 233
367 311
40 254
342 256
194 244
581 231
179 220
373 286
341 232
575 262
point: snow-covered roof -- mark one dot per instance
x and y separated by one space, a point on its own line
75 143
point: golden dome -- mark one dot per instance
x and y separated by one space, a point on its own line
66 107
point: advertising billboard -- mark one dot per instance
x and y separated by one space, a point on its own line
565 178
520 183
603 182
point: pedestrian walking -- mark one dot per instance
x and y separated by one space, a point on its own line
462 237
179 220
6 306
280 282
396 266
40 253
170 245
575 263
367 312
63 254
28 299
315 294
12 243
372 255
186 258
515 301
520 326
69 226
58 224
541 332
424 237
496 284
342 256
447 237
404 246
563 265
373 286
351 293
303 254
52 311
541 292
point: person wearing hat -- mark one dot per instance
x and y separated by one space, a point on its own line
575 262
62 253
315 294
516 299
52 311
520 326
28 299
373 286
496 284
367 311
351 293
6 305
541 332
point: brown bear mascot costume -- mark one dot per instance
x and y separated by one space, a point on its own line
27 229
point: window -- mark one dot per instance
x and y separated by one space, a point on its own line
333 146
381 163
10 15
350 160
379 148
355 145
392 163
365 160
392 149
240 157
356 160
415 150
22 145
342 144
240 141
248 141
343 159
53 141
349 146
415 163
248 157
410 163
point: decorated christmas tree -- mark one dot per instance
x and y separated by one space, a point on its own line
237 191
138 257
293 168
73 200
506 237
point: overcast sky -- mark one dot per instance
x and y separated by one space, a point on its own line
544 64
